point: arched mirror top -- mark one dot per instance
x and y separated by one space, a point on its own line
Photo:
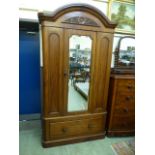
125 53
126 42
84 15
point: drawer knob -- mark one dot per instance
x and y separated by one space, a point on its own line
65 74
64 130
128 98
129 86
126 110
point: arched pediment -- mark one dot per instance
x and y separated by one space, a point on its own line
78 7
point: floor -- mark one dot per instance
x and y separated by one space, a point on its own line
30 143
75 101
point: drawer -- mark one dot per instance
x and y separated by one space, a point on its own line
125 99
76 128
126 86
123 123
124 110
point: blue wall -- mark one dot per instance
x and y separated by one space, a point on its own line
29 73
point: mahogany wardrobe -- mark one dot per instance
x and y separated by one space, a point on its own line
76 56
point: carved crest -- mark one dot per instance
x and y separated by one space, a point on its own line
81 21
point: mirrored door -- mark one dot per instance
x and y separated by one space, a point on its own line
80 47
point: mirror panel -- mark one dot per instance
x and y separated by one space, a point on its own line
80 48
127 52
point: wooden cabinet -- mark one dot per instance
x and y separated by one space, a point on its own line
121 105
76 39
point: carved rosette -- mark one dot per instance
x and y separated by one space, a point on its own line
81 21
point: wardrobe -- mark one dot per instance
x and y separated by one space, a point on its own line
76 56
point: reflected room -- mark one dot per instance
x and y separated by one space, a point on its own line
127 52
79 74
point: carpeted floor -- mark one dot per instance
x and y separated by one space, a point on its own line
124 148
30 143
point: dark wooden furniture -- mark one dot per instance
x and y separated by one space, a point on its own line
121 99
121 105
59 125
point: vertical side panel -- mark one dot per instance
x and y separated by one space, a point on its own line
111 100
103 47
53 71
101 71
108 69
54 66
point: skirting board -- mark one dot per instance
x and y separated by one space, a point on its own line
58 142
36 116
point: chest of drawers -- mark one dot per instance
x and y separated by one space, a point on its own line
121 106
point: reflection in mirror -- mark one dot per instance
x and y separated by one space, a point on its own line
78 83
127 52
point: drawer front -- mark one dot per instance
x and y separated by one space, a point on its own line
124 111
126 86
123 123
125 99
124 104
76 128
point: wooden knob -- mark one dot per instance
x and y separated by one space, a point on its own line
64 130
128 98
125 110
129 86
65 73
